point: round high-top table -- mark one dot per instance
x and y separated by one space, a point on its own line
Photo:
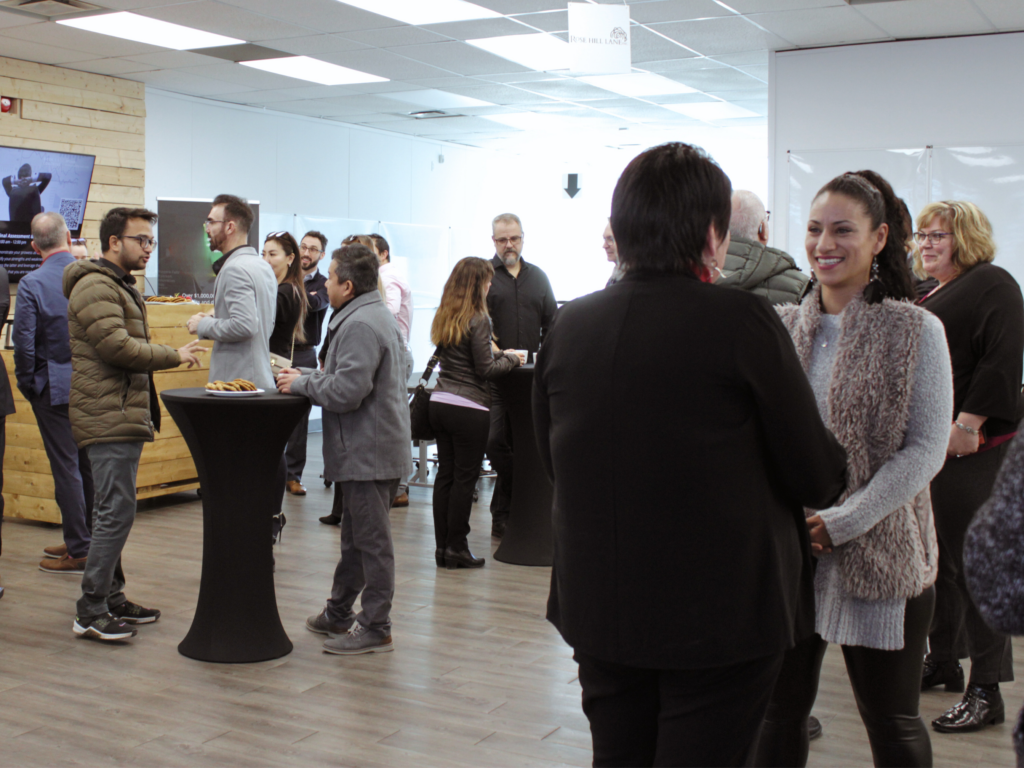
529 537
237 444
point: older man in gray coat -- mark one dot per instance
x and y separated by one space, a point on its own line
362 390
244 299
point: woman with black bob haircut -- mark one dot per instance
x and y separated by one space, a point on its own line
679 613
880 371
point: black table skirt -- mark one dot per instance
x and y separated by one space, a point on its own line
237 445
529 538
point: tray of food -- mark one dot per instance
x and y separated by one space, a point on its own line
179 299
236 388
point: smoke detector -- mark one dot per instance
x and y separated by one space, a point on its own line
50 9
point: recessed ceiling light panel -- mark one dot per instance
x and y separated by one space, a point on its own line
142 29
541 52
313 70
424 11
637 84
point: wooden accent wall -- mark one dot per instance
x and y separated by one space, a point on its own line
69 111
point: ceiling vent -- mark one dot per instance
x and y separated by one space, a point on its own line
431 114
50 9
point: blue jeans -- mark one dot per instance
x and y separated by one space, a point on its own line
114 469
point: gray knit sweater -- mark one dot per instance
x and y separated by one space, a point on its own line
994 558
839 617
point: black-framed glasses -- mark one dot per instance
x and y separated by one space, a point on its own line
931 237
311 250
503 241
210 222
142 240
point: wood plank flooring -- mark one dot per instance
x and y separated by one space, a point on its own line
478 677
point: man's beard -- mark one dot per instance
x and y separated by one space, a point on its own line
509 258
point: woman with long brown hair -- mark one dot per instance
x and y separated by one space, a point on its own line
282 253
460 404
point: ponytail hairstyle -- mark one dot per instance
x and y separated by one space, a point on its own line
890 275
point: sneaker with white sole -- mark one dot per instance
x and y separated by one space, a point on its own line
103 627
324 626
131 613
358 640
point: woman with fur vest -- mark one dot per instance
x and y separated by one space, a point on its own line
880 371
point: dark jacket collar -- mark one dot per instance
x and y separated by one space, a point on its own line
370 297
119 273
218 265
497 263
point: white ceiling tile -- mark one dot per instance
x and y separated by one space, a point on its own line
113 67
740 94
460 58
228 20
1005 14
683 65
515 77
314 45
444 82
29 50
550 21
10 19
248 77
498 94
761 73
682 98
392 64
820 26
675 10
270 96
185 82
135 5
648 46
522 6
478 28
764 6
71 39
320 15
754 105
393 37
389 86
566 88
726 35
745 59
174 59
926 18
716 80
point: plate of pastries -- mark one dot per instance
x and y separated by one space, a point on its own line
176 299
236 388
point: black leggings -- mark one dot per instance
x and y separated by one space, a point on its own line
886 685
461 440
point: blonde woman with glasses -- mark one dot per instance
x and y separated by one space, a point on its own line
981 308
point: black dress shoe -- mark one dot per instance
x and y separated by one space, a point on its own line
439 557
498 528
330 519
813 728
462 559
948 673
978 708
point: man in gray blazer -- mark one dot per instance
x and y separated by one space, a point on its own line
362 390
244 299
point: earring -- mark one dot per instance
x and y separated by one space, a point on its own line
874 269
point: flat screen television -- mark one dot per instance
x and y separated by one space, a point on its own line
34 181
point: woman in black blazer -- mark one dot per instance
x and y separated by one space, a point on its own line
679 612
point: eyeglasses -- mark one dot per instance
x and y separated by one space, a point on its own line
145 242
767 215
931 237
210 222
609 241
503 241
311 250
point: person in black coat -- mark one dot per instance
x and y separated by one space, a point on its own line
679 613
6 399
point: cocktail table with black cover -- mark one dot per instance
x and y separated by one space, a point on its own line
529 537
237 444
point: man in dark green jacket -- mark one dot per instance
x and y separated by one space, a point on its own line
750 264
112 413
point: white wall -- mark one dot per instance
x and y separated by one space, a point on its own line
950 92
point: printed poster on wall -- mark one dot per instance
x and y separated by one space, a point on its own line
185 258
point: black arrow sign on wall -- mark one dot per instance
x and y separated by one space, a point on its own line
573 189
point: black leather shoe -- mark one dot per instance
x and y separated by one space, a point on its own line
813 728
498 528
330 519
947 673
463 559
978 708
439 557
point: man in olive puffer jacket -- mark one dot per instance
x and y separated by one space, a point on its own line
111 407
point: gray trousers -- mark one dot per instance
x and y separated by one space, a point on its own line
72 477
403 483
367 562
114 469
295 453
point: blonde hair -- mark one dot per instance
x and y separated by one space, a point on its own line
462 300
971 230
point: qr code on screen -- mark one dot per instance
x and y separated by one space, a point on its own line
72 211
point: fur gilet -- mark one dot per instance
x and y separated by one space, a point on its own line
868 409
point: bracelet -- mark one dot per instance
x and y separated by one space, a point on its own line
965 428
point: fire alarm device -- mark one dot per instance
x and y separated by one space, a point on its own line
5 104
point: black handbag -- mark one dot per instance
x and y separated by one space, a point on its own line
419 403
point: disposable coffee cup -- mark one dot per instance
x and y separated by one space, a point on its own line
523 353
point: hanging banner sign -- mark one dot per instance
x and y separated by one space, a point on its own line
599 39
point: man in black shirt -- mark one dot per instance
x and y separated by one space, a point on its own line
24 191
311 250
522 306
